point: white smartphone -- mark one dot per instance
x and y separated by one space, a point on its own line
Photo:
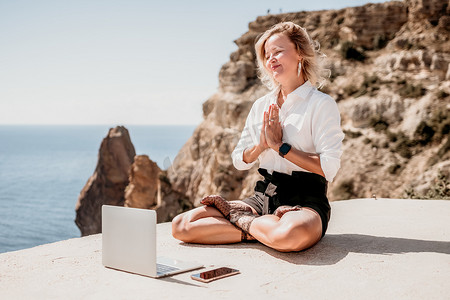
214 274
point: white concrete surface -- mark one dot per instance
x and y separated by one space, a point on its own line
374 249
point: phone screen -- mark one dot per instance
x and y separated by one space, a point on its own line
214 274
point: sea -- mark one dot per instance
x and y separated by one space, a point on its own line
43 169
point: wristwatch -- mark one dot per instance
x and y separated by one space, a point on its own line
284 149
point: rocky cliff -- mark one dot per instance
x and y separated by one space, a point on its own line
389 73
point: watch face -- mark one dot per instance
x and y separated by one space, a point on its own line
284 149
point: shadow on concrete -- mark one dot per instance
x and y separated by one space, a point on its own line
173 280
334 247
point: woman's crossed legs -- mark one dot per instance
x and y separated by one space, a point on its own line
295 230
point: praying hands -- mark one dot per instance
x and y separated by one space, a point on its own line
271 132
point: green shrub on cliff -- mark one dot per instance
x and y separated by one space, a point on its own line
411 91
345 190
370 84
424 133
349 51
352 134
401 144
378 123
441 94
350 90
394 169
440 122
379 41
434 129
439 190
441 154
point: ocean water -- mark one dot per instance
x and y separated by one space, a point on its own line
44 168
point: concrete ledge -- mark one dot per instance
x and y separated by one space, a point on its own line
374 249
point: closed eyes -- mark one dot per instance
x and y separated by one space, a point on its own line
275 53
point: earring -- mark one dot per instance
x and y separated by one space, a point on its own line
299 68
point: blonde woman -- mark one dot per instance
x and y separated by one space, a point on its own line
294 132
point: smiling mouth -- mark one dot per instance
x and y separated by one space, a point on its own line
275 67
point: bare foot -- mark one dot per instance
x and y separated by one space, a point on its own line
281 210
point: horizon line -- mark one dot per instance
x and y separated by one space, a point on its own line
93 124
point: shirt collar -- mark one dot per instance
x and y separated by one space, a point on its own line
303 90
300 93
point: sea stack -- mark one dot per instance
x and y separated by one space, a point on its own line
143 190
107 184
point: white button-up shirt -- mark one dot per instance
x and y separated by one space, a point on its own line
311 123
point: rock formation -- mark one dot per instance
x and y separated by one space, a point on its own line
149 188
123 179
107 184
143 189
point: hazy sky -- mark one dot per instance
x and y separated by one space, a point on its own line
121 62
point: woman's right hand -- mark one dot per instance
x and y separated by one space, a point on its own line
262 137
252 154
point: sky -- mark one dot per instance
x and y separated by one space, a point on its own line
129 62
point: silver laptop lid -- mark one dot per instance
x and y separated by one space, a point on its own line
129 239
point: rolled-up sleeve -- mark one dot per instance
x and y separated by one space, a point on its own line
328 136
248 139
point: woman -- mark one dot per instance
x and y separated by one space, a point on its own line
294 132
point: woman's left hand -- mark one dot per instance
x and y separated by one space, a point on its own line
274 132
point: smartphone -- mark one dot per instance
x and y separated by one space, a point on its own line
214 274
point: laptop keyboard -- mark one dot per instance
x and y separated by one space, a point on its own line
164 269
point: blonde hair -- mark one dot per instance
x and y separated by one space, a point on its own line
307 48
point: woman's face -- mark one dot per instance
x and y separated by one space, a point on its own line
281 57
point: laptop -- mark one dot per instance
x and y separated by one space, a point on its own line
129 243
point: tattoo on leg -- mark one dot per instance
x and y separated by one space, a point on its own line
238 214
218 202
281 210
242 219
224 206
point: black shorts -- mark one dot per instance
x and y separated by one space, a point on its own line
300 188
